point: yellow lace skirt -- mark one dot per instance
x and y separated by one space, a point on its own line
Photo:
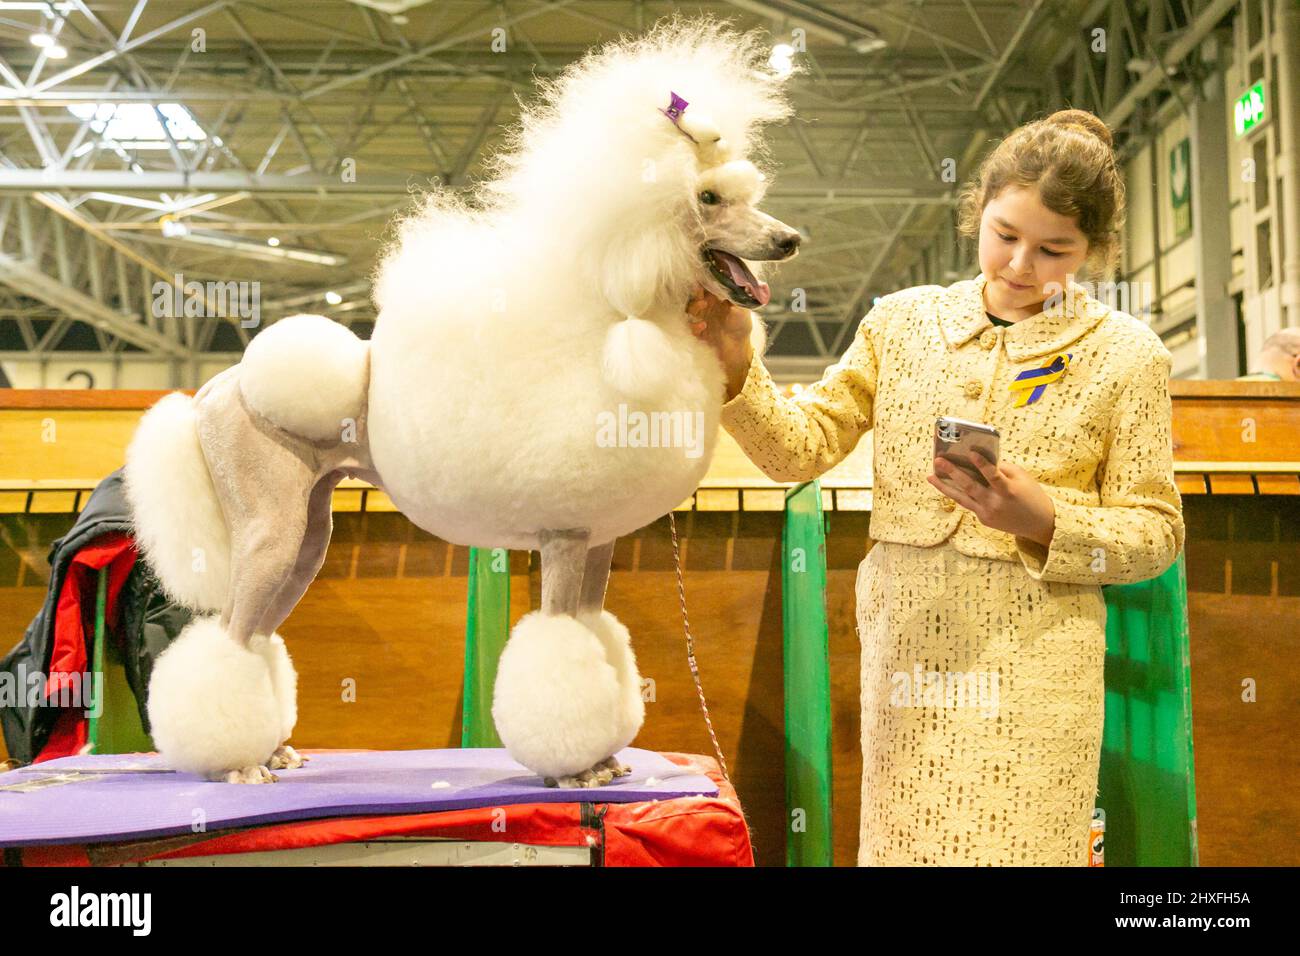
982 708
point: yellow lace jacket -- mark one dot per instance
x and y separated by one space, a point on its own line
1098 439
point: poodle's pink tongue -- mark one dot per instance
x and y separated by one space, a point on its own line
743 277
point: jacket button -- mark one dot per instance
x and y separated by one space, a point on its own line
948 504
973 389
988 339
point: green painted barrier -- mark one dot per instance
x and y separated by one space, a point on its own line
1147 784
807 680
114 724
487 625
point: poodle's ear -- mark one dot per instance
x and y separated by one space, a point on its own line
636 272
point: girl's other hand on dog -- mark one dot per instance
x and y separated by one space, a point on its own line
726 328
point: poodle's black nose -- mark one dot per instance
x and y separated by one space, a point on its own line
788 244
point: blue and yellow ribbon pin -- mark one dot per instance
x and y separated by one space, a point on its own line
1031 383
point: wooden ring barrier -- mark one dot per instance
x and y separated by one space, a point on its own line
1230 438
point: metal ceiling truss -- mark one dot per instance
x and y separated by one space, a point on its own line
292 98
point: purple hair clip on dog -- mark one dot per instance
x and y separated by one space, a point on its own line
676 107
700 130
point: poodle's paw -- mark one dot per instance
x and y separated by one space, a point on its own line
615 766
212 704
596 776
258 774
557 703
286 758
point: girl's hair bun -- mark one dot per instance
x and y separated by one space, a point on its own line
1084 120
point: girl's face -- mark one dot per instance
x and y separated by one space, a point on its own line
1024 247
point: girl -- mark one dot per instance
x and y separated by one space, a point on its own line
979 605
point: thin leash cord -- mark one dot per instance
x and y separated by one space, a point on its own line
690 652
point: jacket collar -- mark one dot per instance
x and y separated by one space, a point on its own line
961 315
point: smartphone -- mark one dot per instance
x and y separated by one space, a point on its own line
956 438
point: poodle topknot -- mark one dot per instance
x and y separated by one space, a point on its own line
596 167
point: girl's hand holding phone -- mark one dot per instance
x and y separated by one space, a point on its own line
1013 502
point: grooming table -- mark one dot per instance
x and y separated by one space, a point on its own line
412 807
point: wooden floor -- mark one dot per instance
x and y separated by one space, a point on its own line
384 626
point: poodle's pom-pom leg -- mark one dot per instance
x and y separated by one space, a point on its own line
557 702
614 637
212 706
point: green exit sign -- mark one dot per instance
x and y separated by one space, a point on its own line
1249 111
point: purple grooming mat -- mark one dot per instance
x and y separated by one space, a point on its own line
122 797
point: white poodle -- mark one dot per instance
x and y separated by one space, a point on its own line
531 383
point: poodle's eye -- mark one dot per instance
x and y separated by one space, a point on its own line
709 198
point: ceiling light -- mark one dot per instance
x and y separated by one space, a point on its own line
41 39
173 228
782 59
869 44
391 7
56 52
272 241
333 298
136 125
